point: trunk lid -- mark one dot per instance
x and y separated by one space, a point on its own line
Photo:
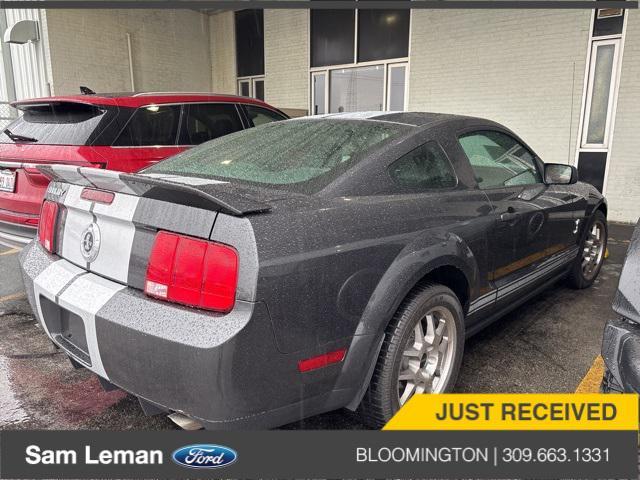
114 238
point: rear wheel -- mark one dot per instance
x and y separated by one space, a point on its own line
421 353
588 264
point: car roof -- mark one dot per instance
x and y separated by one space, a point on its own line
414 119
140 99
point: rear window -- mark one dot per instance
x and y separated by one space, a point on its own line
63 123
285 153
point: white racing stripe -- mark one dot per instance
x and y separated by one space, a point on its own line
115 223
78 218
117 231
182 179
546 267
50 281
85 296
81 293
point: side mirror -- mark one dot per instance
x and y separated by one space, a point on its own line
560 174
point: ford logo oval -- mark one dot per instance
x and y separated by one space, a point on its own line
204 456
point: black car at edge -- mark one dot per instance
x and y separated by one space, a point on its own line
621 340
305 265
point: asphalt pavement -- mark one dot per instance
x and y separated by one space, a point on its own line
549 344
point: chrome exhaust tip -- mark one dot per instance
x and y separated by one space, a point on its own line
184 422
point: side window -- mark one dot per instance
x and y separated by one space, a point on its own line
150 126
498 160
205 121
426 167
259 115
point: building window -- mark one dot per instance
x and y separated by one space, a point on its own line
332 37
356 89
250 53
383 34
359 60
600 93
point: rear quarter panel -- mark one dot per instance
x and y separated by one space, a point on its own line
329 271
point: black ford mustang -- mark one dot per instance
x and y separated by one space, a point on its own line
306 265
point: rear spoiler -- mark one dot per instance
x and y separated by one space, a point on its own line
192 191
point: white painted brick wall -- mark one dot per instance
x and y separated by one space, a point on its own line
89 47
28 60
286 53
623 183
223 52
522 68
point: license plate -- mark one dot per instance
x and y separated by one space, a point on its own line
7 180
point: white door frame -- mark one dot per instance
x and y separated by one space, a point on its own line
390 67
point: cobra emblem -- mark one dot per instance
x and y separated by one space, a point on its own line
90 242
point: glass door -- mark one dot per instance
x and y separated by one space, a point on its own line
258 88
397 87
600 93
244 88
319 93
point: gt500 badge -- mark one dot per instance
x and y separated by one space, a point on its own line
56 191
90 242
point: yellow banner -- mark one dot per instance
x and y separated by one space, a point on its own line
526 411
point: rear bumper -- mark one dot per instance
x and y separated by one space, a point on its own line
223 370
621 353
15 235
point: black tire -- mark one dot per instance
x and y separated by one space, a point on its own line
610 384
381 400
576 277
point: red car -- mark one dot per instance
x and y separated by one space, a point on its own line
124 132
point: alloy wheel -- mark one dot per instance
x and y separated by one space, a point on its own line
593 250
427 359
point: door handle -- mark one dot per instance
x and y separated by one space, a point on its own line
509 216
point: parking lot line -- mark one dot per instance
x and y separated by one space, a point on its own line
10 252
13 296
590 383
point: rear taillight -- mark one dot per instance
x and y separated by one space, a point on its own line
47 225
193 272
